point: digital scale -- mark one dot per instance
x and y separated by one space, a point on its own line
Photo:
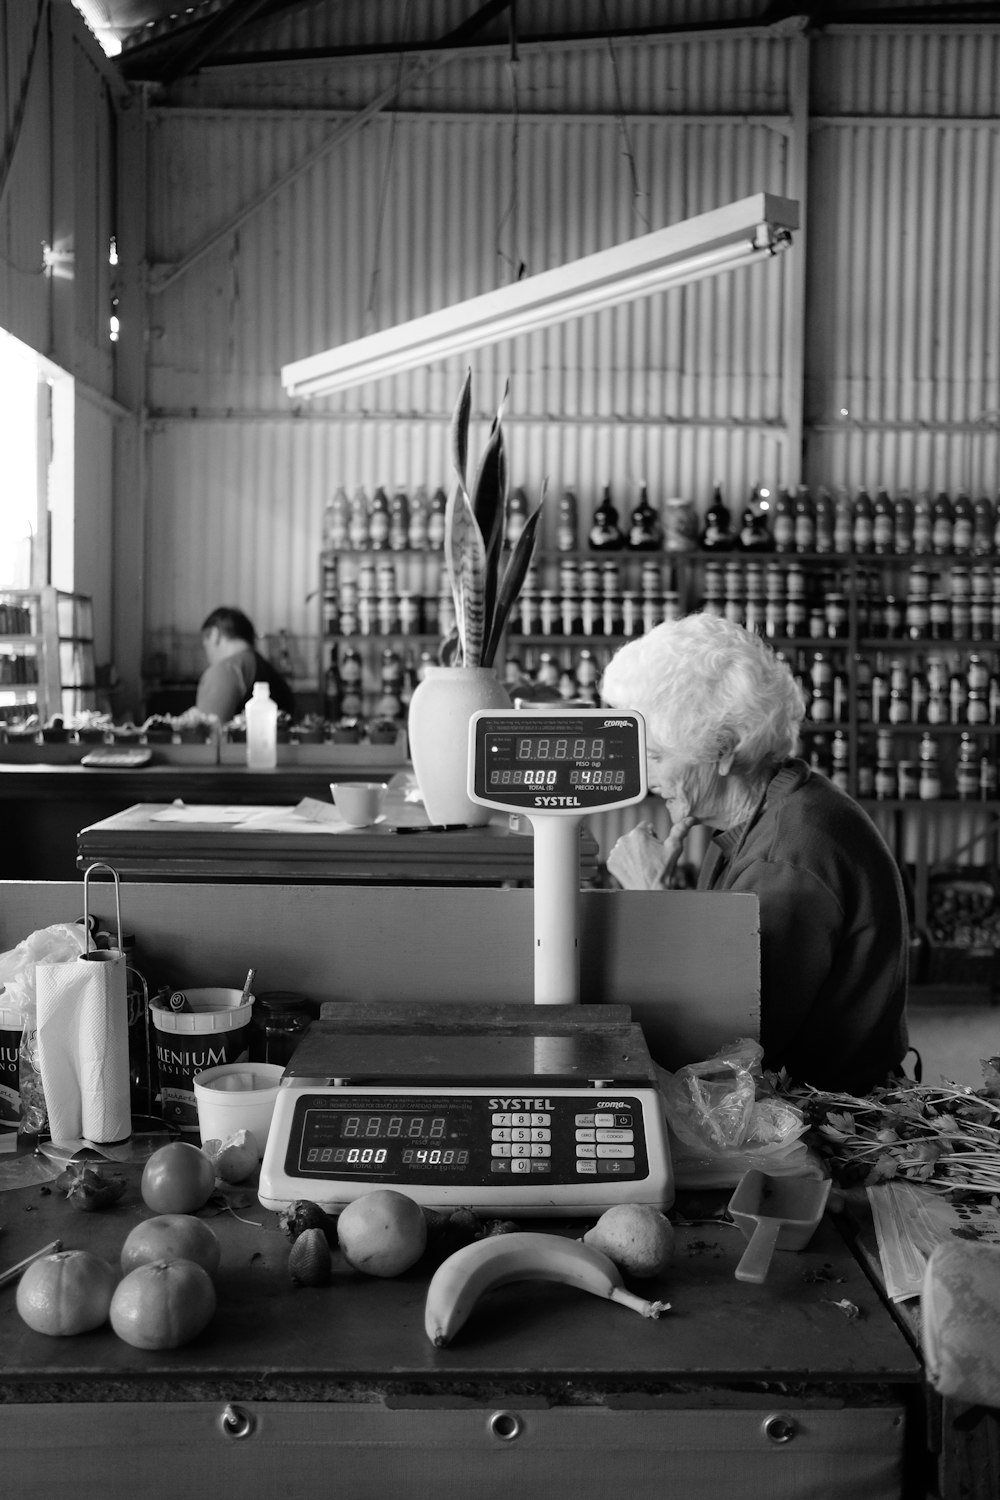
516 1110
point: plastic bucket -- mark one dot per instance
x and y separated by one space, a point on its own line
11 1026
214 1031
237 1096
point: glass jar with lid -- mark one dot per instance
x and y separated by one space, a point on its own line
280 1020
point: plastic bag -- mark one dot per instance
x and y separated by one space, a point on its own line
720 1128
60 943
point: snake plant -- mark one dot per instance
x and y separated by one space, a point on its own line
485 577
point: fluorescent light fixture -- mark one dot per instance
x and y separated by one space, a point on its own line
736 235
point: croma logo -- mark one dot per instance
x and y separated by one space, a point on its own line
616 723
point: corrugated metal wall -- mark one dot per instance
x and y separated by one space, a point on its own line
412 212
904 297
418 208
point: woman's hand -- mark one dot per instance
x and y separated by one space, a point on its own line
640 861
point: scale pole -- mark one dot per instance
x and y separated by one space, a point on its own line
557 897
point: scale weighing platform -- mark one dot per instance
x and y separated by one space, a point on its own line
551 1109
527 1112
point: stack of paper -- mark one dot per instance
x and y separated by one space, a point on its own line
910 1219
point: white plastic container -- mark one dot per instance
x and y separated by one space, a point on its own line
262 729
237 1096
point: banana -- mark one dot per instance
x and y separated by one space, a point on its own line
464 1277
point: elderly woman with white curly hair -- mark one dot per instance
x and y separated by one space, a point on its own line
723 714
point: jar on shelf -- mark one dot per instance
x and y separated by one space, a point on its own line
548 611
906 780
892 618
590 615
967 770
939 617
885 780
835 615
929 784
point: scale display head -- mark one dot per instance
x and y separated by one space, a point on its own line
550 762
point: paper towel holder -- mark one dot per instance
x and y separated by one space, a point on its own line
101 955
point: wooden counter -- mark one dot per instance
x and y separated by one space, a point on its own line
402 850
45 806
547 1390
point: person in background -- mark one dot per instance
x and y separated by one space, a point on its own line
234 665
723 715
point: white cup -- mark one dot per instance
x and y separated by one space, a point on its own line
359 802
237 1096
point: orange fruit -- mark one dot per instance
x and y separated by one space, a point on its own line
172 1237
177 1179
163 1304
68 1292
382 1233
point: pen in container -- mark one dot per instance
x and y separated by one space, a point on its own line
248 986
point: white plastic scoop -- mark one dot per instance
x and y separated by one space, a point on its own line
775 1213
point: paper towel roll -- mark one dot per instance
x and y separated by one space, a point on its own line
82 1012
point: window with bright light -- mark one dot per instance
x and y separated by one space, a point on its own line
19 513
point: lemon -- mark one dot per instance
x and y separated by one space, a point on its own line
382 1233
636 1236
236 1157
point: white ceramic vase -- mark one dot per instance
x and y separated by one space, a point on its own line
443 702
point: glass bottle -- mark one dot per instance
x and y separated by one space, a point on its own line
983 524
962 524
605 534
399 520
717 535
902 524
435 520
567 529
825 521
883 523
645 533
261 714
783 522
755 531
351 699
416 535
929 785
516 516
942 525
862 522
336 520
967 769
390 703
805 521
357 526
923 525
378 521
843 524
